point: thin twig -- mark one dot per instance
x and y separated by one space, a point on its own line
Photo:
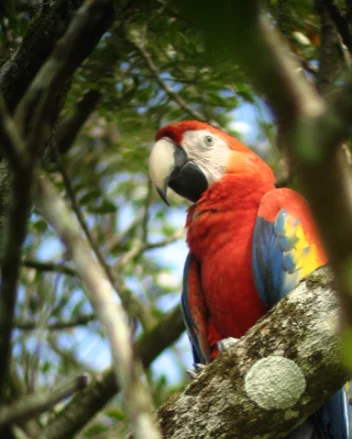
120 238
169 240
69 355
29 406
132 305
48 266
101 294
59 325
146 216
306 66
140 247
176 97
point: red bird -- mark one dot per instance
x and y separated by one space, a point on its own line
250 244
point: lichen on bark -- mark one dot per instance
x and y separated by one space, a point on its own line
300 332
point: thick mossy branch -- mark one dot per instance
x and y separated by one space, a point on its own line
18 72
277 375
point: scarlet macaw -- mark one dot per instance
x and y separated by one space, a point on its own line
250 244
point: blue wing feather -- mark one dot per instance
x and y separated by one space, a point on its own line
273 264
192 329
276 272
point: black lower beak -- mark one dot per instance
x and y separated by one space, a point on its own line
187 179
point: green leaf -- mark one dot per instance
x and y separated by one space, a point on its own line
105 207
94 430
115 414
90 196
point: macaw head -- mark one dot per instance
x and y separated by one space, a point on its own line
190 156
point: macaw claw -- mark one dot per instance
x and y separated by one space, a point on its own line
199 367
194 373
226 343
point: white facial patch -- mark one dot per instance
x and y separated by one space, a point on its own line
211 157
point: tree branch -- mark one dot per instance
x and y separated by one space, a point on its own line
18 72
15 232
132 305
331 61
90 401
340 22
48 266
168 90
38 100
275 376
59 325
50 22
69 127
33 405
101 294
37 106
140 247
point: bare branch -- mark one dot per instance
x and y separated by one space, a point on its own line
132 305
340 22
331 53
48 266
145 221
176 97
140 247
68 355
69 127
37 105
101 294
88 403
169 240
14 80
14 235
33 405
39 101
59 325
14 146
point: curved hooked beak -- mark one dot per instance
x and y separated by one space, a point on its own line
169 167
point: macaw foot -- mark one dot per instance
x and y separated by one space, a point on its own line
194 373
226 343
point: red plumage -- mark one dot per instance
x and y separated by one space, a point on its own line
225 302
220 228
249 242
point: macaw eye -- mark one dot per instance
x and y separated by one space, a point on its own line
209 140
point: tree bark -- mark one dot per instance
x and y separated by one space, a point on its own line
277 375
17 73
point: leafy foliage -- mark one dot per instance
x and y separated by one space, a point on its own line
133 67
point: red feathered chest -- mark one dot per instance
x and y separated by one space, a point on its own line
220 229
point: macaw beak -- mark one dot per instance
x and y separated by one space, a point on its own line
169 167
